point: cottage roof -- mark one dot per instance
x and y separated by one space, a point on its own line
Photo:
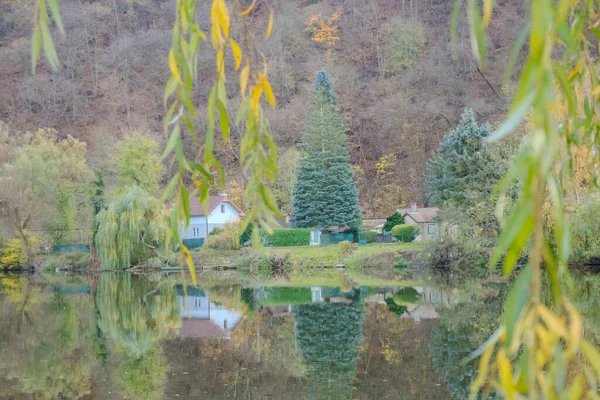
197 328
197 209
425 214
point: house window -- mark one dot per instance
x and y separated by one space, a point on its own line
197 302
223 208
195 232
431 229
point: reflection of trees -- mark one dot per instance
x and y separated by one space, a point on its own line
46 340
463 328
134 315
329 336
584 294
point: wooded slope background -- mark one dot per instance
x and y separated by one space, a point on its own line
400 87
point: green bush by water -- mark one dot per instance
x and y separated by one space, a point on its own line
288 237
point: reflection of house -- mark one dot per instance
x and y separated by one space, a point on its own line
424 219
203 318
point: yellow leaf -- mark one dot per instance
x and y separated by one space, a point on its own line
576 70
237 53
270 25
596 91
190 262
268 91
173 66
220 61
244 75
487 12
484 366
574 327
247 10
223 14
552 321
505 373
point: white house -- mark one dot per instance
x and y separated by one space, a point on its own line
220 211
203 318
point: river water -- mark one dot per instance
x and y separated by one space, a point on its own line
124 336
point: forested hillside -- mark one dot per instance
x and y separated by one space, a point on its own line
400 88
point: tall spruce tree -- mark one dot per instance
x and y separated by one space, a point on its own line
464 168
325 194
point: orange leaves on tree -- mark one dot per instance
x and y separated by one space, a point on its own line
324 30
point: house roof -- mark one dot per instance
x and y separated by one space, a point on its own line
425 214
197 209
197 328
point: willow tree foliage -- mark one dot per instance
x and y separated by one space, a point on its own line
529 354
325 194
329 336
133 227
135 315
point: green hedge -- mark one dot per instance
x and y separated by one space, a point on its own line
288 237
405 233
370 236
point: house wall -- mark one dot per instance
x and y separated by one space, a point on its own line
215 219
424 235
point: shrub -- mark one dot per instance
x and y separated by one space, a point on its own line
228 239
216 230
392 221
405 233
70 260
288 237
345 250
370 236
406 296
405 41
12 255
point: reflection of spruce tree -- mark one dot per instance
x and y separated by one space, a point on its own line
134 315
463 328
329 336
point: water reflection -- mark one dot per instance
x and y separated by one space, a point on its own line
120 336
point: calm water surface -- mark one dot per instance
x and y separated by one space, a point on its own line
121 336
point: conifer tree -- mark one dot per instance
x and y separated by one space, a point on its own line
325 194
464 166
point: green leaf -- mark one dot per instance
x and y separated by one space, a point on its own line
36 38
168 116
48 46
224 121
492 340
454 22
170 189
185 199
181 157
517 297
477 34
520 222
515 51
53 4
187 102
170 87
212 103
514 118
175 137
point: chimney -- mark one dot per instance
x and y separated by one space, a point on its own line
413 207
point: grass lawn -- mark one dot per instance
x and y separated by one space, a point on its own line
309 256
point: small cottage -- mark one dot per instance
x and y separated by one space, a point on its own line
220 211
424 219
